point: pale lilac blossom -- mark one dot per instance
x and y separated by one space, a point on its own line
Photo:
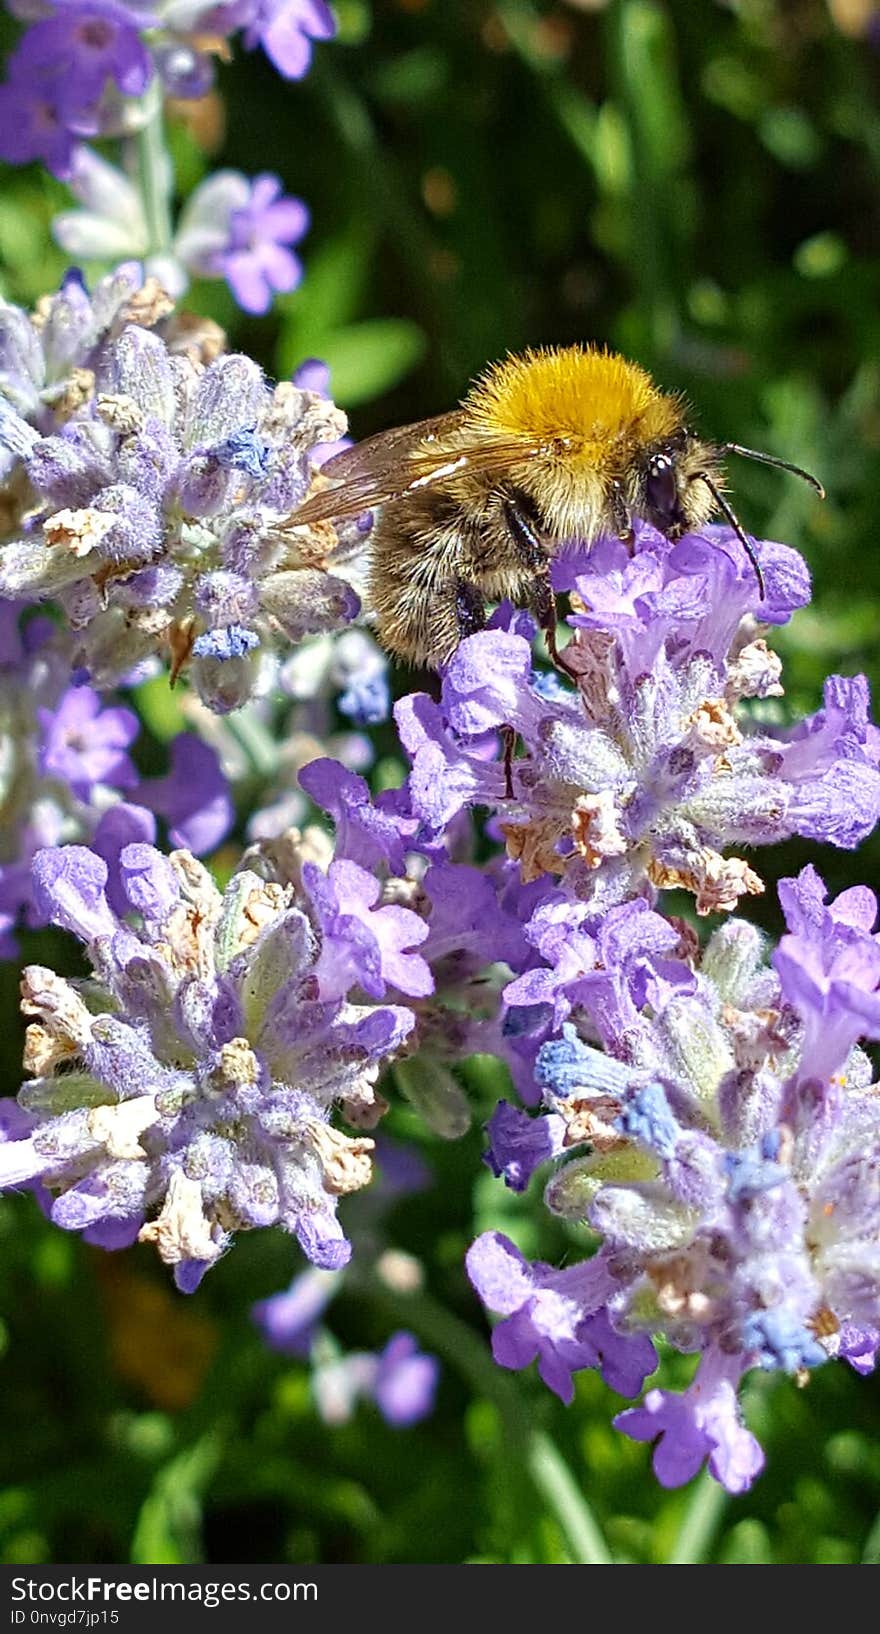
723 1148
208 1065
159 519
242 230
645 773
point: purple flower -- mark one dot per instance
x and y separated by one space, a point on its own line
157 435
518 1144
366 832
859 1347
546 1313
288 1321
30 127
401 1380
313 375
286 28
258 262
74 52
193 797
121 826
405 1382
208 1066
83 744
241 230
78 62
364 944
70 890
46 362
696 589
643 775
829 967
64 760
608 972
703 1423
725 1152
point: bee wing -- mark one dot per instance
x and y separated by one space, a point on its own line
393 464
375 453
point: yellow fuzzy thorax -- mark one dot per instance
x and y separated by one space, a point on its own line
592 397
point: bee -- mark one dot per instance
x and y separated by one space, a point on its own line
551 446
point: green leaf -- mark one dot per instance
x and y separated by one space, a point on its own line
330 296
168 1529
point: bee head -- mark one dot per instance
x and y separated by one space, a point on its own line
683 485
678 477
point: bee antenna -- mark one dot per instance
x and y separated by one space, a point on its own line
728 511
771 459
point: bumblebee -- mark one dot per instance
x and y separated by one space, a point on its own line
556 445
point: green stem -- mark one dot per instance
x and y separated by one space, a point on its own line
563 1496
524 1449
699 1523
154 174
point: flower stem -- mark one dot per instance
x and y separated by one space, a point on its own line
699 1523
155 173
524 1449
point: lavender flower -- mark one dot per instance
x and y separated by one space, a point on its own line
82 66
104 43
470 939
702 1424
230 228
401 1380
288 1321
157 517
185 1091
643 776
193 797
83 745
64 766
725 1157
242 231
48 358
554 1316
286 28
30 128
69 76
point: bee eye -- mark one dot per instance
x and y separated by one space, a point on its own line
661 487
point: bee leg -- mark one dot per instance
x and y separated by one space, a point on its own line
508 738
622 519
470 609
543 604
532 554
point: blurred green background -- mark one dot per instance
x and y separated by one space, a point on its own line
696 184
